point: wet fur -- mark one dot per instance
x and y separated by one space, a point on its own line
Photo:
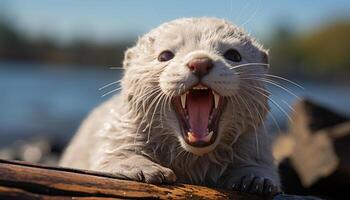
136 134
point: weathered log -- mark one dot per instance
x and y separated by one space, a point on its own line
20 180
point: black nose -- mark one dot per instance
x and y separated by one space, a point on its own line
200 66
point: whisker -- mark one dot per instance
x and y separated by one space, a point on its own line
161 112
269 75
281 78
276 104
258 4
275 84
264 107
283 88
121 68
158 98
254 127
179 153
261 89
289 106
248 64
171 97
247 107
142 120
257 110
257 144
237 102
145 114
109 84
105 94
143 100
168 102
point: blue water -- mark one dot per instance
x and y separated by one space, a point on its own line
37 100
41 101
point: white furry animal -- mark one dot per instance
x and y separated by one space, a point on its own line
191 110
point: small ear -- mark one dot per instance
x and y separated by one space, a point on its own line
265 59
143 46
128 56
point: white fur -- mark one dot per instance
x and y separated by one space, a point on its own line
136 134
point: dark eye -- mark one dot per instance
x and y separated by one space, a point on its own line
233 55
165 56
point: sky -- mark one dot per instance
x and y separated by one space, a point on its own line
108 20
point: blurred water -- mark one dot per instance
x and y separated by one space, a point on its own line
334 96
38 100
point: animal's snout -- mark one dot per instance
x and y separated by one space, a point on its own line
200 66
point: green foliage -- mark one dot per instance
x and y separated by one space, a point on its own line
11 43
14 46
322 52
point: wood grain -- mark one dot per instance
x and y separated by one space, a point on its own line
20 180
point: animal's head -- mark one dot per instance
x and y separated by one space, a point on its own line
201 77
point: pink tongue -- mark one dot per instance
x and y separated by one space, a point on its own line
199 104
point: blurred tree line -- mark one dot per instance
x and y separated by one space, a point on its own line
319 53
14 46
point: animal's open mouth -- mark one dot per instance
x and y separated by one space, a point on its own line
198 111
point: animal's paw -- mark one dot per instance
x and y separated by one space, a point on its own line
149 173
256 185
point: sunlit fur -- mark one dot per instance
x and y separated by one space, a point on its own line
136 134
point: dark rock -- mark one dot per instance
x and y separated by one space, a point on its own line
322 148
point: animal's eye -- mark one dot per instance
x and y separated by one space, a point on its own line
233 55
165 56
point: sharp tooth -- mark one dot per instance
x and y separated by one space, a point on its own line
216 99
183 101
191 138
208 137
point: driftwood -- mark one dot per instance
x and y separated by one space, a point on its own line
20 180
319 159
